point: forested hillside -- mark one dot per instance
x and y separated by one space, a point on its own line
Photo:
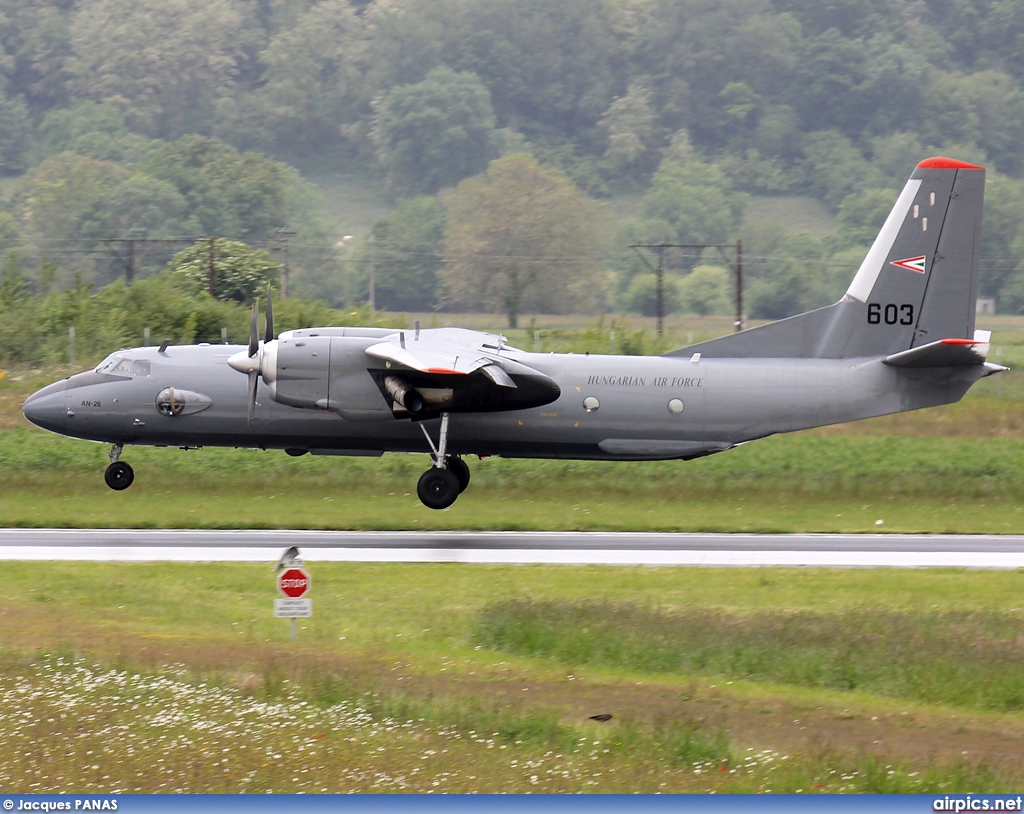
576 127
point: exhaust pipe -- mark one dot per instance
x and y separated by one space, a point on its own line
404 395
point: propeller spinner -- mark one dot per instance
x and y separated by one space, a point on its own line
259 358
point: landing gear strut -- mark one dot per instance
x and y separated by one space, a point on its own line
119 475
447 478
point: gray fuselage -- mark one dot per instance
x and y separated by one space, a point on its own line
608 407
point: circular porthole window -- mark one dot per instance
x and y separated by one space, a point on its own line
590 404
675 406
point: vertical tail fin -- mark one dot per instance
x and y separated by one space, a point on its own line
919 281
917 284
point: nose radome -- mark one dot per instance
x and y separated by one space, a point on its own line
47 408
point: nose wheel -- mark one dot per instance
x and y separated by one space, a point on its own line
119 475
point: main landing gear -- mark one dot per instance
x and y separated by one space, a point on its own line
119 475
447 478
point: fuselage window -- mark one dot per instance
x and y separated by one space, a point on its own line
141 367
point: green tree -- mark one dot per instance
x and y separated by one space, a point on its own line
833 167
34 37
95 131
72 202
312 83
626 262
641 296
697 199
63 127
60 198
492 57
165 64
795 276
228 193
693 50
10 233
523 236
634 132
406 256
855 85
15 133
706 290
240 272
1003 232
861 216
1011 295
554 68
436 132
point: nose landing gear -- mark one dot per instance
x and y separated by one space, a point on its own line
119 475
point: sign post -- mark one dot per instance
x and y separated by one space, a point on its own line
293 583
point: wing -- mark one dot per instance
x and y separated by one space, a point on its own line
444 351
456 370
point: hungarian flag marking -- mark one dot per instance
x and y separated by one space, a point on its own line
913 263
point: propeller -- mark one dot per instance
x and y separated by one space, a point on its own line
268 333
251 360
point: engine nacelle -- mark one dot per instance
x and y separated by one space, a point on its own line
297 371
326 373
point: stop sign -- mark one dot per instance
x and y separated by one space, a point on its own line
293 582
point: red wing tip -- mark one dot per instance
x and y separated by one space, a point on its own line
939 163
961 342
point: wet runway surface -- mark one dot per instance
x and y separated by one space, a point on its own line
619 548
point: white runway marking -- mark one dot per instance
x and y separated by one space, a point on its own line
562 548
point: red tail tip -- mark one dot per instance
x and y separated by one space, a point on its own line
939 163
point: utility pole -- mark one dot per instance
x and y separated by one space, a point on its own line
660 272
738 271
210 267
131 258
373 272
283 234
128 261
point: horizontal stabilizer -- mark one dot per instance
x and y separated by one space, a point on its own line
944 353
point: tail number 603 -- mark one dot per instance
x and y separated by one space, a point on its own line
890 313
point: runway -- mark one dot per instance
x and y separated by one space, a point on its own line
565 548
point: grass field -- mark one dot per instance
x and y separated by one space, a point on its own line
793 483
174 677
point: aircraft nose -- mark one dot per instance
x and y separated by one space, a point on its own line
47 408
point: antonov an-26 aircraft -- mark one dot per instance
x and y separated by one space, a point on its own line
901 338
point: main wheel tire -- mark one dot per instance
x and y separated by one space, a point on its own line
460 469
438 488
119 476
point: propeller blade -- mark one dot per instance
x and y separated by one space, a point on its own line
268 334
253 381
254 333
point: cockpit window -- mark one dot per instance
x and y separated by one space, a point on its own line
119 365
